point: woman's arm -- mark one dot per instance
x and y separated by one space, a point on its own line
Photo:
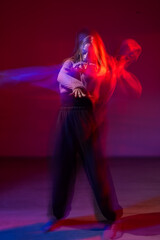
66 80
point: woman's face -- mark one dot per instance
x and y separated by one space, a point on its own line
131 57
88 50
130 51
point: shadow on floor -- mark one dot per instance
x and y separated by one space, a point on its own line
146 224
84 228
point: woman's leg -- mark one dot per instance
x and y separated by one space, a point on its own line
64 166
97 170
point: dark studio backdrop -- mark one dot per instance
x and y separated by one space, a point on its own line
42 33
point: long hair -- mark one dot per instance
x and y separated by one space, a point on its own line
76 56
102 58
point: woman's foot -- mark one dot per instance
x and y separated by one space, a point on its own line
113 231
49 225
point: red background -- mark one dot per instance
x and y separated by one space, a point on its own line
42 33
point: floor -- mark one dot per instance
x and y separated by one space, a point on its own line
25 193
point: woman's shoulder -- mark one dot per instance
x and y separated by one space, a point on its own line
68 62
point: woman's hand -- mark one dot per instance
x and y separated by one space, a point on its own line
78 92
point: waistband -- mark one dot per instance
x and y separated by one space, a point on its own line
71 102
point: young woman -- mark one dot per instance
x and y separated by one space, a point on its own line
81 81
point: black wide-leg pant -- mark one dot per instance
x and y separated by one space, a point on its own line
76 132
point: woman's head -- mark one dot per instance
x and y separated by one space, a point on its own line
129 51
87 50
90 47
78 43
